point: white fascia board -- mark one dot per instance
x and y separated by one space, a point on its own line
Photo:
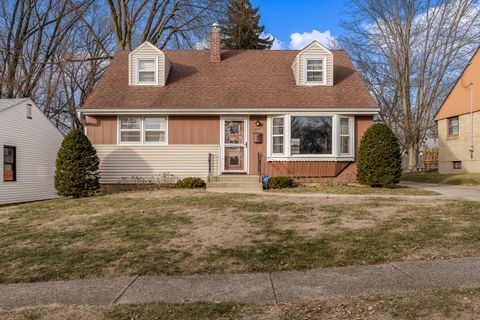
239 111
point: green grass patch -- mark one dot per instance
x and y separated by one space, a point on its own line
454 179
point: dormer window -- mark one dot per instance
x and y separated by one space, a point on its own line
315 71
147 71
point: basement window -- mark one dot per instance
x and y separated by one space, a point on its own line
457 164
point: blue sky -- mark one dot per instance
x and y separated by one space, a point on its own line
283 18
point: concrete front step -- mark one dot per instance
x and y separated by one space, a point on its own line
234 183
236 178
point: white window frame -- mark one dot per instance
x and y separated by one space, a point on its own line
278 135
120 130
351 136
143 83
324 71
142 130
154 130
334 156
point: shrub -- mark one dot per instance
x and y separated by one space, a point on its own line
281 182
191 183
379 160
76 173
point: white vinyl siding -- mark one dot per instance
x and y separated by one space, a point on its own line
148 51
36 143
117 162
313 52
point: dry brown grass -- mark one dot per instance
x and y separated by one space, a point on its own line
177 231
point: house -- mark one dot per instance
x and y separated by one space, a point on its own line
29 144
216 112
458 123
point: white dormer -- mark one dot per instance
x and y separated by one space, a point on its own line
313 66
148 66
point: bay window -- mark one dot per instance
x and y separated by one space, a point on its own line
277 135
344 135
311 137
143 130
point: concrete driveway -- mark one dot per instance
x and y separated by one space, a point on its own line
453 192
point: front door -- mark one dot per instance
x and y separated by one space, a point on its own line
235 145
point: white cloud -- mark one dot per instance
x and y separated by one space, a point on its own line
278 45
301 40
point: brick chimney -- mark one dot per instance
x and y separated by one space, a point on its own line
215 43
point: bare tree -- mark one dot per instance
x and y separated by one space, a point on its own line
163 22
409 52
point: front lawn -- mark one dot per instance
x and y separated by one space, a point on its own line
362 190
184 232
435 304
456 179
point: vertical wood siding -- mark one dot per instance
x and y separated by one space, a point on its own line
117 162
102 129
306 168
37 142
194 130
255 148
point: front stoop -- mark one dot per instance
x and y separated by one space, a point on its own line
235 184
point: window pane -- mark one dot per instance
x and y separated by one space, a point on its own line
345 144
154 123
130 123
315 76
314 65
146 76
8 155
154 136
311 135
146 65
277 125
277 145
344 128
130 136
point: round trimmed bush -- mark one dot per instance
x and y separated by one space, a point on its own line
281 182
379 160
76 173
191 183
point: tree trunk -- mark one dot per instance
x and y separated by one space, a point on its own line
412 158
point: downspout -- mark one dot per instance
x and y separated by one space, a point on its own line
471 149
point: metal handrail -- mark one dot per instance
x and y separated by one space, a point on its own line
210 166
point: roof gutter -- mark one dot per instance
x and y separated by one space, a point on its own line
223 111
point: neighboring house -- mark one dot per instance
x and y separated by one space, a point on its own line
458 122
29 144
298 113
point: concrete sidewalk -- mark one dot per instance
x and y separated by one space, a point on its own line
448 192
277 287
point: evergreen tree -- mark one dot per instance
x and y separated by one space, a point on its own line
379 161
76 173
242 30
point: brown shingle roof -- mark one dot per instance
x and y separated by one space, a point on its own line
244 79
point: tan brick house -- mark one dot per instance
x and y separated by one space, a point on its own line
217 112
458 122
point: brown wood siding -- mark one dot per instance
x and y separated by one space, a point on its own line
194 130
255 148
362 123
102 129
306 168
